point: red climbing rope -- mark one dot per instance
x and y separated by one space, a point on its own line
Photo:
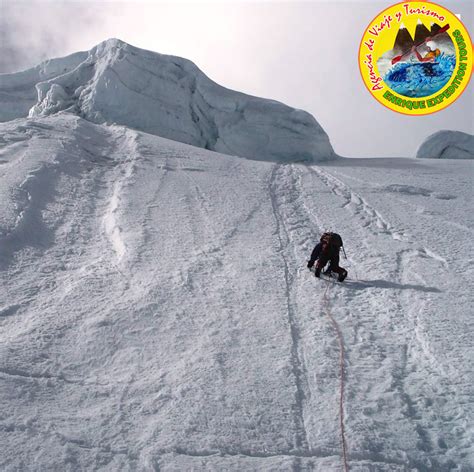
341 369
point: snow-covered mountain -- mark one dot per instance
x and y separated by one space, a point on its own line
163 95
447 144
156 312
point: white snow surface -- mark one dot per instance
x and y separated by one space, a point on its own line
447 144
156 312
164 95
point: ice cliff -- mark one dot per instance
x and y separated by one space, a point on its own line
18 90
163 95
447 144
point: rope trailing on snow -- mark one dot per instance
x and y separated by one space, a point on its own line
327 311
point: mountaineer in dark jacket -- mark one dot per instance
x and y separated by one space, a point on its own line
327 250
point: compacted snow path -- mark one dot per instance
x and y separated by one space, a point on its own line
398 371
158 313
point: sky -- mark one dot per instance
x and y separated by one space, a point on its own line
304 54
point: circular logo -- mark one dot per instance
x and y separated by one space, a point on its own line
416 58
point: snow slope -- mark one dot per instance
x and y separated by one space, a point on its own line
167 96
447 144
158 314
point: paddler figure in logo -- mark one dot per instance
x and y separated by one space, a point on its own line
431 55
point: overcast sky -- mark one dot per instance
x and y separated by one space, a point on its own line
304 54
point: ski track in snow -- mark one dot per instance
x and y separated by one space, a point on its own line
368 216
132 339
295 234
299 369
415 349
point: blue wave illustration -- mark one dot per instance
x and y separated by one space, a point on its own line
421 79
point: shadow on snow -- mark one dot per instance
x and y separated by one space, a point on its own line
386 284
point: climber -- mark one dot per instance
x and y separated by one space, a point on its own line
327 250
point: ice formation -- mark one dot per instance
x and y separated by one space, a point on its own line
447 144
18 90
170 97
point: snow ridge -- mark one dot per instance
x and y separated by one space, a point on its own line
170 97
129 150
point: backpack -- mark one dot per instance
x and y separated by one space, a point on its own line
333 239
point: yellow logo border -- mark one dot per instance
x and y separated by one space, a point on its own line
377 37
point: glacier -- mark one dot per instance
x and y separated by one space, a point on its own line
156 311
447 144
164 95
